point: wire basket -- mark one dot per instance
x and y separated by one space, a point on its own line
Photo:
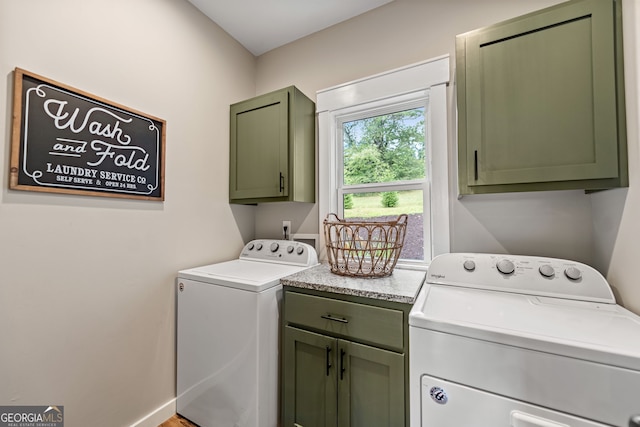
363 248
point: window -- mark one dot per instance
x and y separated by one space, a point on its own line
382 169
383 152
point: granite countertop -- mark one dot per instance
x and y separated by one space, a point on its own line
401 286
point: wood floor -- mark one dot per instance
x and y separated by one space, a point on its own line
177 421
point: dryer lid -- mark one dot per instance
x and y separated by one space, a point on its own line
603 333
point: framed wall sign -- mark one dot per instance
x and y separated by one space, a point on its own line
68 141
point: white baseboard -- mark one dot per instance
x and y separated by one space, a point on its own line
157 417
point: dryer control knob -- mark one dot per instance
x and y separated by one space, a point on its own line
469 265
505 266
274 247
546 270
573 273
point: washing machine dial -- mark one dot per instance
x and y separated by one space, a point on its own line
506 267
573 273
546 270
274 247
250 246
300 250
259 247
289 249
469 265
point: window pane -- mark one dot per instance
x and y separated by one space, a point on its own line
384 148
388 206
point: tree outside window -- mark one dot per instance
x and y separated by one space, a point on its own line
384 170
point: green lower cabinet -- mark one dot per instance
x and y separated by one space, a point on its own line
329 382
370 386
309 379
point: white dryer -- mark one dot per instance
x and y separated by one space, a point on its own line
501 340
227 335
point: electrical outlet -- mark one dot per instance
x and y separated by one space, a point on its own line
286 230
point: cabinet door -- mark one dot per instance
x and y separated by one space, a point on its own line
539 98
370 386
309 379
259 147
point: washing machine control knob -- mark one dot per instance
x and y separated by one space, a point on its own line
469 265
505 266
274 247
546 270
259 247
250 246
573 273
300 250
289 249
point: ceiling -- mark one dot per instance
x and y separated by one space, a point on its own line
262 25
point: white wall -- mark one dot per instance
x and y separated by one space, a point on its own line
556 224
404 32
617 213
87 285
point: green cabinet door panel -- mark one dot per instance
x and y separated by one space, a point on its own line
272 148
370 386
540 101
309 379
259 148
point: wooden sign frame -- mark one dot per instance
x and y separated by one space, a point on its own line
65 140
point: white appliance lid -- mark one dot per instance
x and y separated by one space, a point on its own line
252 276
604 333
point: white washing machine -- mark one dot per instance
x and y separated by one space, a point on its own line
499 340
227 335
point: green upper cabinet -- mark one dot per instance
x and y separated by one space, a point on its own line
541 101
272 148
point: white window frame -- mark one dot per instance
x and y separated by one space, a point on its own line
415 83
